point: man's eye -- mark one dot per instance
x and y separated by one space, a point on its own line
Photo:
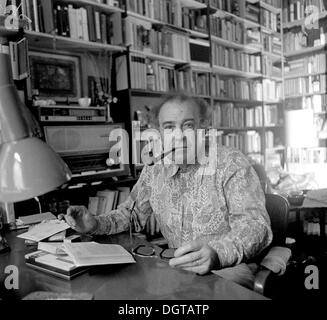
168 128
189 126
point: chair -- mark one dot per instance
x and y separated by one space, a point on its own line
278 209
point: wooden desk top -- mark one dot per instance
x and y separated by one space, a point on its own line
149 278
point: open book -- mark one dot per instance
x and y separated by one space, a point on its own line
92 253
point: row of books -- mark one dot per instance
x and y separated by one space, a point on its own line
272 43
163 41
269 68
171 12
267 90
235 59
269 20
84 23
294 10
298 39
235 88
316 102
307 65
153 75
228 29
106 200
239 8
19 59
305 85
247 142
307 155
229 115
200 83
272 90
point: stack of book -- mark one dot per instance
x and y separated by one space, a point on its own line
227 115
307 65
200 83
227 29
236 88
253 37
84 23
315 102
248 142
271 115
272 43
272 90
269 20
294 10
171 12
235 59
298 39
142 36
270 69
306 85
107 200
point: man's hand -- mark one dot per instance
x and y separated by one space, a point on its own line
80 219
196 256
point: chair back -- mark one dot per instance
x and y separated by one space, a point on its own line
278 208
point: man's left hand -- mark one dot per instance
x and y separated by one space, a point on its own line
196 256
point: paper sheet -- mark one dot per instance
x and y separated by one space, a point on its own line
44 230
37 218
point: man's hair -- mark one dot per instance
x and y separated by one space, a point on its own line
182 97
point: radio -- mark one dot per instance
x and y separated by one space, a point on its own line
71 114
86 149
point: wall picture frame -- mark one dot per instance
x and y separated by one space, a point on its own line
55 76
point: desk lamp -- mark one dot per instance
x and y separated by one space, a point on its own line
28 166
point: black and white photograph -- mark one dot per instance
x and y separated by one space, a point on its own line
163 154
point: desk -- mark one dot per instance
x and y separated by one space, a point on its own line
149 278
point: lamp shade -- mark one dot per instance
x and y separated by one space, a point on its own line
28 166
300 129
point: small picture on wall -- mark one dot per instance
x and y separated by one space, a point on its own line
55 76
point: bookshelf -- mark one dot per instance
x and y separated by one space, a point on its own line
247 33
218 29
305 78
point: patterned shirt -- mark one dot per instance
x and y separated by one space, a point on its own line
224 207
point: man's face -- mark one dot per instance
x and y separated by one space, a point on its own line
178 124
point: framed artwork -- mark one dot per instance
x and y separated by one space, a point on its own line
55 76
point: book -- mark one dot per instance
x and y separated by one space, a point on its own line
92 253
44 230
61 266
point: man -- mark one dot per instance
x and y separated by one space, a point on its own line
215 218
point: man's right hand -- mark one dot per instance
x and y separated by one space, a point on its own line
80 219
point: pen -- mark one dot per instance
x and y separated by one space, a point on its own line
162 156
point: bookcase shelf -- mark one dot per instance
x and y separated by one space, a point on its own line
305 51
306 95
243 47
97 5
192 4
239 101
301 22
269 7
304 75
235 73
48 41
221 13
159 57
